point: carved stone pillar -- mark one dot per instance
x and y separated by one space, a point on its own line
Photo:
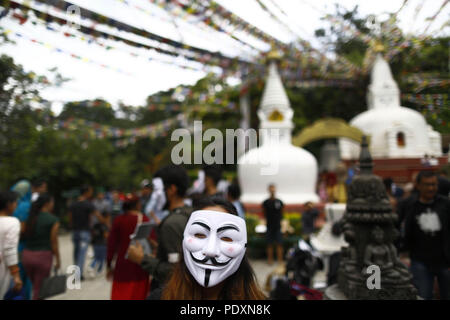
369 229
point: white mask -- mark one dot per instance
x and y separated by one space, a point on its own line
214 245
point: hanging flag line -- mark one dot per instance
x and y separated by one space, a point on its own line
99 131
392 37
435 100
64 5
190 55
198 8
92 31
305 60
106 46
401 7
208 59
9 32
365 38
431 19
291 52
202 59
276 18
175 8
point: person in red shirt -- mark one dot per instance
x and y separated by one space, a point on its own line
130 281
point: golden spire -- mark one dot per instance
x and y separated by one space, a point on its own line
273 54
379 47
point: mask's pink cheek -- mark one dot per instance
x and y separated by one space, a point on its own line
193 244
231 250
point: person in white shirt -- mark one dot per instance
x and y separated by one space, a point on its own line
154 208
9 241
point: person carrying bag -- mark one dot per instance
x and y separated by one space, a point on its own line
41 243
53 285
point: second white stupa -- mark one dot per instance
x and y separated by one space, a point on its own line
395 131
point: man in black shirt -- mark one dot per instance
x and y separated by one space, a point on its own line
427 237
80 215
273 211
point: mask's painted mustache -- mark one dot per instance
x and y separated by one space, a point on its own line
213 260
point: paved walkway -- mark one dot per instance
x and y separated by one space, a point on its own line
99 288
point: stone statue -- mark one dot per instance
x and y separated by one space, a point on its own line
368 227
380 254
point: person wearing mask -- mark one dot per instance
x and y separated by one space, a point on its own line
170 230
213 264
23 189
130 281
233 194
9 241
273 211
41 242
427 237
80 219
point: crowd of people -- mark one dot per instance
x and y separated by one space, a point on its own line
107 221
196 235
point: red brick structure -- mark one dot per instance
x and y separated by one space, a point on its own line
402 170
257 208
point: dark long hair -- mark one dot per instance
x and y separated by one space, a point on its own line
242 285
36 208
7 197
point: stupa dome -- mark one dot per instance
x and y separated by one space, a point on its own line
395 131
293 170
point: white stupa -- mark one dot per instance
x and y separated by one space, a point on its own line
293 170
395 131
